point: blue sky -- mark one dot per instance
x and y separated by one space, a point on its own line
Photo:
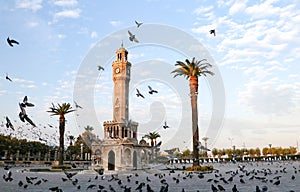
255 50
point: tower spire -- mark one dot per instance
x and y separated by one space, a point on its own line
122 44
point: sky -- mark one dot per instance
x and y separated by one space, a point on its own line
253 99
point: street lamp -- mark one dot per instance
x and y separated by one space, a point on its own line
81 148
270 145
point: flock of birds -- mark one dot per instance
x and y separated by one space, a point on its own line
132 37
241 177
24 117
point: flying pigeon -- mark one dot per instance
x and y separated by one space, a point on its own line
200 146
25 102
9 124
22 113
138 24
132 37
151 91
23 116
8 77
139 94
165 126
11 42
100 68
77 106
213 31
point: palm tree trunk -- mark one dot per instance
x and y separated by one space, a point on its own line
61 139
193 93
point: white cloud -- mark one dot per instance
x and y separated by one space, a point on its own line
237 7
115 23
64 3
269 97
71 13
34 5
61 36
201 10
265 9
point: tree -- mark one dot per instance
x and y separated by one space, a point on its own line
257 152
265 151
88 137
152 136
186 153
89 128
61 110
214 152
191 71
71 138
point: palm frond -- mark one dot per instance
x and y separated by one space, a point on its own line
192 68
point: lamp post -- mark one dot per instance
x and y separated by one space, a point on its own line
81 148
270 145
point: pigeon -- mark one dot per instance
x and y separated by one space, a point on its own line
70 175
41 139
165 126
213 188
23 116
77 106
22 113
38 182
64 179
20 183
100 68
277 182
234 189
132 37
91 186
213 31
138 24
53 188
151 91
139 94
7 77
221 188
25 102
257 189
11 42
9 124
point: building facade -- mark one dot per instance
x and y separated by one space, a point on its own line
120 149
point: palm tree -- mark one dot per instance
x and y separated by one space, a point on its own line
61 110
71 138
152 136
89 128
191 71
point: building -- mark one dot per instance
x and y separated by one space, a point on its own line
120 148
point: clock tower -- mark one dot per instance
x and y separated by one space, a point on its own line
120 149
121 77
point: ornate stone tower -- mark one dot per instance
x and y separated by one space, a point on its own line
121 127
120 148
121 78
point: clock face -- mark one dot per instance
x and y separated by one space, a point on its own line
117 70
